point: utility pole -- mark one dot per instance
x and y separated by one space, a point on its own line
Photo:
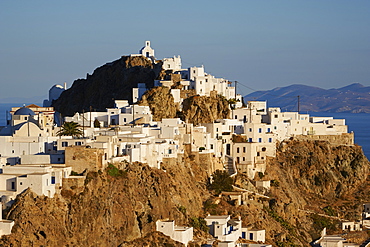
90 117
83 123
236 82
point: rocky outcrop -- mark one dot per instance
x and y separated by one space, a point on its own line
161 103
203 109
314 184
111 81
111 209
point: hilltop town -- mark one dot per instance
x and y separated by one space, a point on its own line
186 124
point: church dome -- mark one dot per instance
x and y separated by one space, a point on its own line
24 111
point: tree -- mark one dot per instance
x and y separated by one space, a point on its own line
232 102
70 129
221 182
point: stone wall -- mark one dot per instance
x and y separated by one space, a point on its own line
81 158
343 139
73 182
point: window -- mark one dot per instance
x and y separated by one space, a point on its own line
275 127
250 140
124 120
237 150
263 149
243 149
236 116
259 139
276 116
64 144
211 146
78 143
268 130
243 158
250 129
259 130
270 139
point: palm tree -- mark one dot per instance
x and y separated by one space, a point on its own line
70 129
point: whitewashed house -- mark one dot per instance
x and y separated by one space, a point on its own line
5 225
224 228
42 179
182 234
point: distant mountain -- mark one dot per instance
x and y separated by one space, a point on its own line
354 98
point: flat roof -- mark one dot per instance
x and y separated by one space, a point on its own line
211 217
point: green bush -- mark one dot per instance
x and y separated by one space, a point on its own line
182 209
329 211
115 172
199 223
73 173
275 183
221 182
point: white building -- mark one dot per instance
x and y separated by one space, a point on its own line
147 51
173 63
42 179
224 228
5 225
54 93
256 235
30 131
182 234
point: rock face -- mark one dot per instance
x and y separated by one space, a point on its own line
312 178
111 209
319 168
111 81
202 109
161 103
120 209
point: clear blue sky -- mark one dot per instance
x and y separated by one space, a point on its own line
261 44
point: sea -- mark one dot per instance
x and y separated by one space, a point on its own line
357 122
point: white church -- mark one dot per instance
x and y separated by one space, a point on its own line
193 78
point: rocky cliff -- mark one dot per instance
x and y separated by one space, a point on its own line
202 109
111 209
111 81
195 109
314 184
161 103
